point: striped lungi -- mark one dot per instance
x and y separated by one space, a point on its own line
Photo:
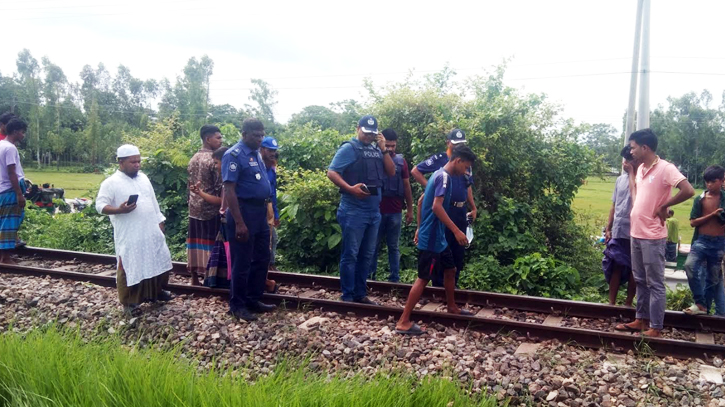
11 216
217 271
200 241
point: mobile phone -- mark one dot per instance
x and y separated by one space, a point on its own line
365 188
372 190
132 200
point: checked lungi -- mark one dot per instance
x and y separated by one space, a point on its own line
11 217
200 241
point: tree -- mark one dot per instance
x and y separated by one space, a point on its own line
691 133
29 72
606 142
264 97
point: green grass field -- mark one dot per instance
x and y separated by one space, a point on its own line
75 184
595 198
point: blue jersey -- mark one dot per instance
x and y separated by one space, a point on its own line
431 233
344 158
245 168
459 183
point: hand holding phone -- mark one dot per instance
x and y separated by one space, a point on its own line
359 191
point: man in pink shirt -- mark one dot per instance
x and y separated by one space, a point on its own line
651 190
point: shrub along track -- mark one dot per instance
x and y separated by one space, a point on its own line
541 318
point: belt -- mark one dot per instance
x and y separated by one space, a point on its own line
254 201
458 204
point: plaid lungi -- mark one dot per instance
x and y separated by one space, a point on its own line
200 241
11 216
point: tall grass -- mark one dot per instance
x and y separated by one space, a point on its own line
57 369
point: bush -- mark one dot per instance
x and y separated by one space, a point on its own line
533 274
85 231
309 234
309 148
543 277
679 298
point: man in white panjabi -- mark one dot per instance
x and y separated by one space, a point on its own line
141 250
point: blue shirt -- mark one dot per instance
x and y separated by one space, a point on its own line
459 183
272 175
245 167
345 157
432 232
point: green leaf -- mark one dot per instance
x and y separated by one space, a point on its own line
333 240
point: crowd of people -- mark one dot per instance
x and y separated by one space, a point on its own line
641 235
233 217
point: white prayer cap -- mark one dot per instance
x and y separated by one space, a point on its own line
127 150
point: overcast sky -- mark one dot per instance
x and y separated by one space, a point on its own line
578 52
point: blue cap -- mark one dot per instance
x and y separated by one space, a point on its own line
456 136
270 143
368 124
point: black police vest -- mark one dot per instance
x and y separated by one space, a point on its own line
367 168
393 186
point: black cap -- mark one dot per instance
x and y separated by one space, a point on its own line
456 136
368 124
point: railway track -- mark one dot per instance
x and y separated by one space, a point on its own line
549 316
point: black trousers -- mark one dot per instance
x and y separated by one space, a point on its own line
250 258
458 216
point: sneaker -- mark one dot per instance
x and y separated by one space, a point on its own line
365 300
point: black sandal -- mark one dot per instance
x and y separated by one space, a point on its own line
412 331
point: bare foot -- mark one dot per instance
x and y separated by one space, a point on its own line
270 286
652 333
454 310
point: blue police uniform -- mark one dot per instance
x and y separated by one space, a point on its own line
359 219
245 168
456 211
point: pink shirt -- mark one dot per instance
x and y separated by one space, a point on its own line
654 188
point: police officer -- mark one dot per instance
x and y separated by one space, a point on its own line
462 195
358 169
247 192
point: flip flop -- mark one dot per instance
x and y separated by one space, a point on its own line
412 331
626 328
694 310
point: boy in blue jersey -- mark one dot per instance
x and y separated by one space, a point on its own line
461 200
434 253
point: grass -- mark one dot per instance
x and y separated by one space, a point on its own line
47 368
596 197
75 184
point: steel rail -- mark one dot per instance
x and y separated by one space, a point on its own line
566 308
583 337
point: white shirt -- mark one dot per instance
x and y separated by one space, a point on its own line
8 156
140 244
